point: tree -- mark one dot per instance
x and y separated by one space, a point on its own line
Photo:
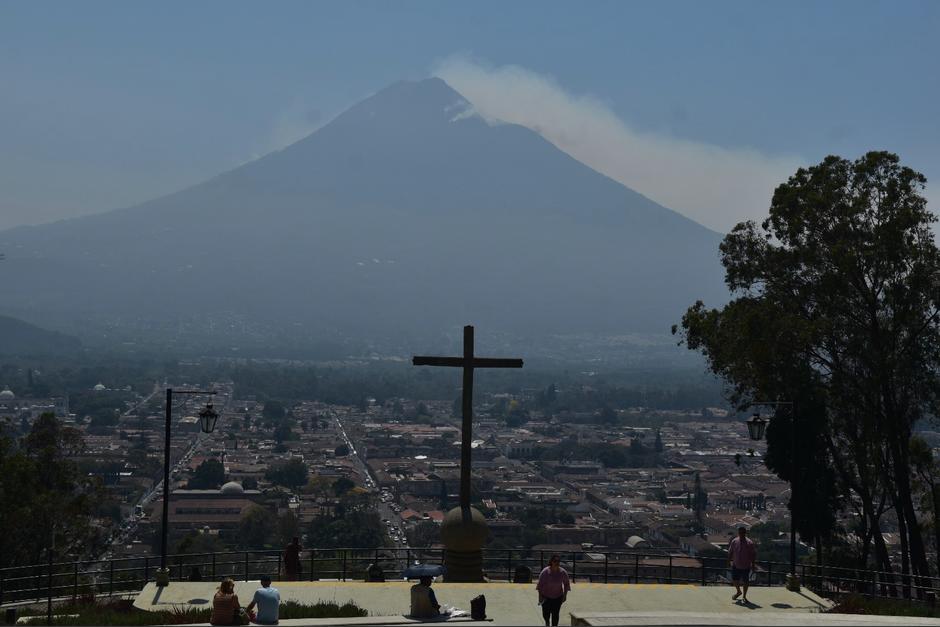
658 444
341 451
41 485
284 432
608 416
292 474
927 484
636 447
255 527
836 308
425 533
209 475
350 528
342 485
273 411
195 542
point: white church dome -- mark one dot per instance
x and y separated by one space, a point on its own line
232 487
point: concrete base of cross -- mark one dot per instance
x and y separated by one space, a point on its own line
464 532
793 583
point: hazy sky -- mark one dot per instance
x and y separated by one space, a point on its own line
703 106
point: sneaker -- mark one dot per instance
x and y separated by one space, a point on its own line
735 597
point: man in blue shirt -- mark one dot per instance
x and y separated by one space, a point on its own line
268 600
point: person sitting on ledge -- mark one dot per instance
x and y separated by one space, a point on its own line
268 600
225 607
423 602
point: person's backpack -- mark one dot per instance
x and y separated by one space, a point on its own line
478 608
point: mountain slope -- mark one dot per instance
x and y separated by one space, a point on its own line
407 213
21 338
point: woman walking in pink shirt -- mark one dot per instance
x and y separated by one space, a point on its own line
553 588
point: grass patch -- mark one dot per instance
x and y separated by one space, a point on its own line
857 604
123 612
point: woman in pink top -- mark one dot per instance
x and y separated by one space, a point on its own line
553 588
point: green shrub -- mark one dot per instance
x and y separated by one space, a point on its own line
123 612
857 604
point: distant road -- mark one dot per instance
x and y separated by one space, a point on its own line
385 510
129 523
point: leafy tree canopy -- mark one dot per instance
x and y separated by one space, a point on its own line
835 309
209 475
292 474
256 527
41 484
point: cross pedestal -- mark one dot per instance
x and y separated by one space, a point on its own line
464 530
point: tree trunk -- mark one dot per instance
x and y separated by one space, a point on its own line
935 492
883 560
905 504
905 554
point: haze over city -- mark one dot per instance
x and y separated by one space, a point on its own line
306 307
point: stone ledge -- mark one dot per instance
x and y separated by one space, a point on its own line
365 620
753 619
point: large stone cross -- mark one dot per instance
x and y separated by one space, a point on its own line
468 362
464 529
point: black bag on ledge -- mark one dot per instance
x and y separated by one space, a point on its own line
478 608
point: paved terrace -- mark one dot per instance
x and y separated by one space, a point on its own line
516 604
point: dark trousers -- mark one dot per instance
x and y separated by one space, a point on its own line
551 608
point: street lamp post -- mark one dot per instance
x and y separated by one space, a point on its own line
207 418
755 428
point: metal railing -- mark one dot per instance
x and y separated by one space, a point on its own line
88 579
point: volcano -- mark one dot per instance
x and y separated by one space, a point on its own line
407 214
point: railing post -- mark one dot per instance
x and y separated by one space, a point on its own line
246 565
344 564
669 580
312 554
574 567
636 568
75 583
278 567
606 556
179 565
770 573
509 567
111 580
541 560
146 569
703 572
213 565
